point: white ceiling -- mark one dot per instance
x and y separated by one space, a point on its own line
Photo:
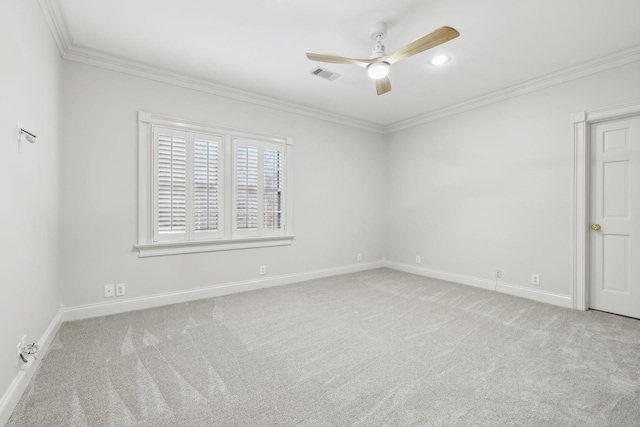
259 46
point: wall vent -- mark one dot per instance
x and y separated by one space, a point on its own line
325 74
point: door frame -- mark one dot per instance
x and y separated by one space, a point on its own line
582 190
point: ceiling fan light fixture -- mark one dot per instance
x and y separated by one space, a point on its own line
440 60
378 70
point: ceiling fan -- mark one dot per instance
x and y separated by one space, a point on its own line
378 65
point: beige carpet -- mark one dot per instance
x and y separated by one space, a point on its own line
367 349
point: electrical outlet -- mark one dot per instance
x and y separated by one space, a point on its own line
535 279
109 290
120 289
418 259
263 269
359 257
498 273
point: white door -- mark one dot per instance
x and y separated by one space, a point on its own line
615 217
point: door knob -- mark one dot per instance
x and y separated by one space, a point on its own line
596 227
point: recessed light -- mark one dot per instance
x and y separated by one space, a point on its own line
440 60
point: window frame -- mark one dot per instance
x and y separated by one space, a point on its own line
227 238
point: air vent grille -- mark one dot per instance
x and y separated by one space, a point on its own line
325 74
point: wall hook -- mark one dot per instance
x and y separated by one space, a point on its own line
30 137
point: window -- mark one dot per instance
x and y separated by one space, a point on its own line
204 189
258 178
187 198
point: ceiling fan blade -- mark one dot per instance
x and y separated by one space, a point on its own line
383 85
339 59
439 36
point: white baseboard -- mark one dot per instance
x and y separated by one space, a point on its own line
131 304
442 275
492 285
20 382
537 295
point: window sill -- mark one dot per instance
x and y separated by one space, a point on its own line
176 248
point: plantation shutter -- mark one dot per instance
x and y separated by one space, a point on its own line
273 181
171 183
246 187
206 184
258 188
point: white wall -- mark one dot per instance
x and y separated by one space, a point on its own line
338 172
29 184
492 187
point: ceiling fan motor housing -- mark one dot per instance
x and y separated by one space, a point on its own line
378 51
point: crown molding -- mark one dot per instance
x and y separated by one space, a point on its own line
572 73
111 62
57 24
77 53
